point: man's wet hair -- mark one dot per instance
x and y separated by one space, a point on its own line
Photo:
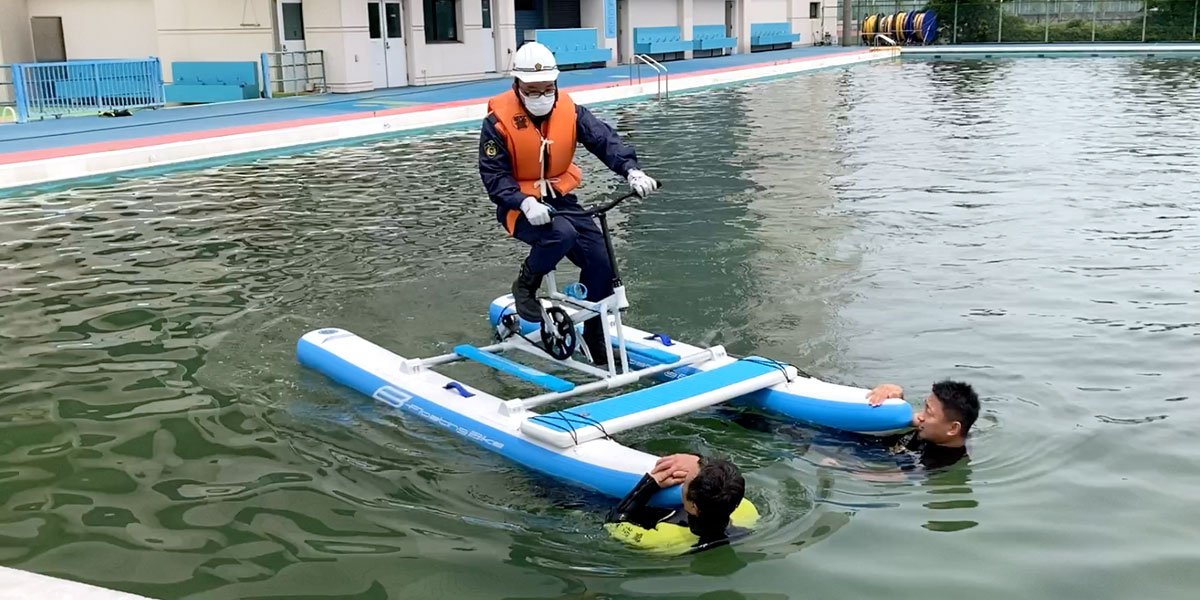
959 401
717 490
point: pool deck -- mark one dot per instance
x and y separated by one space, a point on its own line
23 585
53 153
69 149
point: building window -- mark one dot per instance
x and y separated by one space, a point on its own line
293 22
441 21
391 11
814 10
487 14
373 28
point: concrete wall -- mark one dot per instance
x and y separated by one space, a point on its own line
233 30
15 43
708 12
444 62
812 30
653 13
101 28
769 11
591 14
339 27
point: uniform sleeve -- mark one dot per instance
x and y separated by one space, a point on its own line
600 139
495 167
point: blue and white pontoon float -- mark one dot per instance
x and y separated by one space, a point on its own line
574 444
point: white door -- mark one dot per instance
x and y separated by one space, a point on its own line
385 25
379 75
393 45
489 38
291 39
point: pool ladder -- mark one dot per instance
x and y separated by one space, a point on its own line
660 73
881 39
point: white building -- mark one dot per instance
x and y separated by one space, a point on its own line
368 44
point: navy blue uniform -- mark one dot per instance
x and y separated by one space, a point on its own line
577 238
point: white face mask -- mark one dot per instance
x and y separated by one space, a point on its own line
539 107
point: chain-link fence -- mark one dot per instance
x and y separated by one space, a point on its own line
1010 21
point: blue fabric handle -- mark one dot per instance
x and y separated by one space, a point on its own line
662 339
462 391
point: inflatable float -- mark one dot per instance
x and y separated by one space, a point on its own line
575 442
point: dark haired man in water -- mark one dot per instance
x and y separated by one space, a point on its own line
939 436
714 507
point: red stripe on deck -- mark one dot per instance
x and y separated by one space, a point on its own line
97 147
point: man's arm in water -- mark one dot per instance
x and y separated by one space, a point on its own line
667 472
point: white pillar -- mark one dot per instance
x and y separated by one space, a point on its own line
504 25
601 15
339 27
797 17
742 9
414 16
686 20
625 29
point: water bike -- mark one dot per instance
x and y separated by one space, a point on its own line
575 443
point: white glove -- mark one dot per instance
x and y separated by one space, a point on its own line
641 183
536 212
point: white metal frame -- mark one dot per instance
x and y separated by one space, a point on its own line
608 311
612 304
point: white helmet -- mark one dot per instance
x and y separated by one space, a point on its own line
534 63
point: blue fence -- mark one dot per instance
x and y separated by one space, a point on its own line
85 87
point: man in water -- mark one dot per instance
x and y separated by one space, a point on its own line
713 491
715 510
526 160
939 436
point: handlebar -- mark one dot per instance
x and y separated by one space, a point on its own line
603 208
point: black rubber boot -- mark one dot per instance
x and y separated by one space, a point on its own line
593 336
525 290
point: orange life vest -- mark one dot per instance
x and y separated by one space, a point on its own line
525 147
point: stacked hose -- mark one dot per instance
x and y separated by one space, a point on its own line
902 28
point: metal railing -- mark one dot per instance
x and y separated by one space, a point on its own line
292 73
75 87
661 77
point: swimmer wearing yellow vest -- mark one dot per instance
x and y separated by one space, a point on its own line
715 510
